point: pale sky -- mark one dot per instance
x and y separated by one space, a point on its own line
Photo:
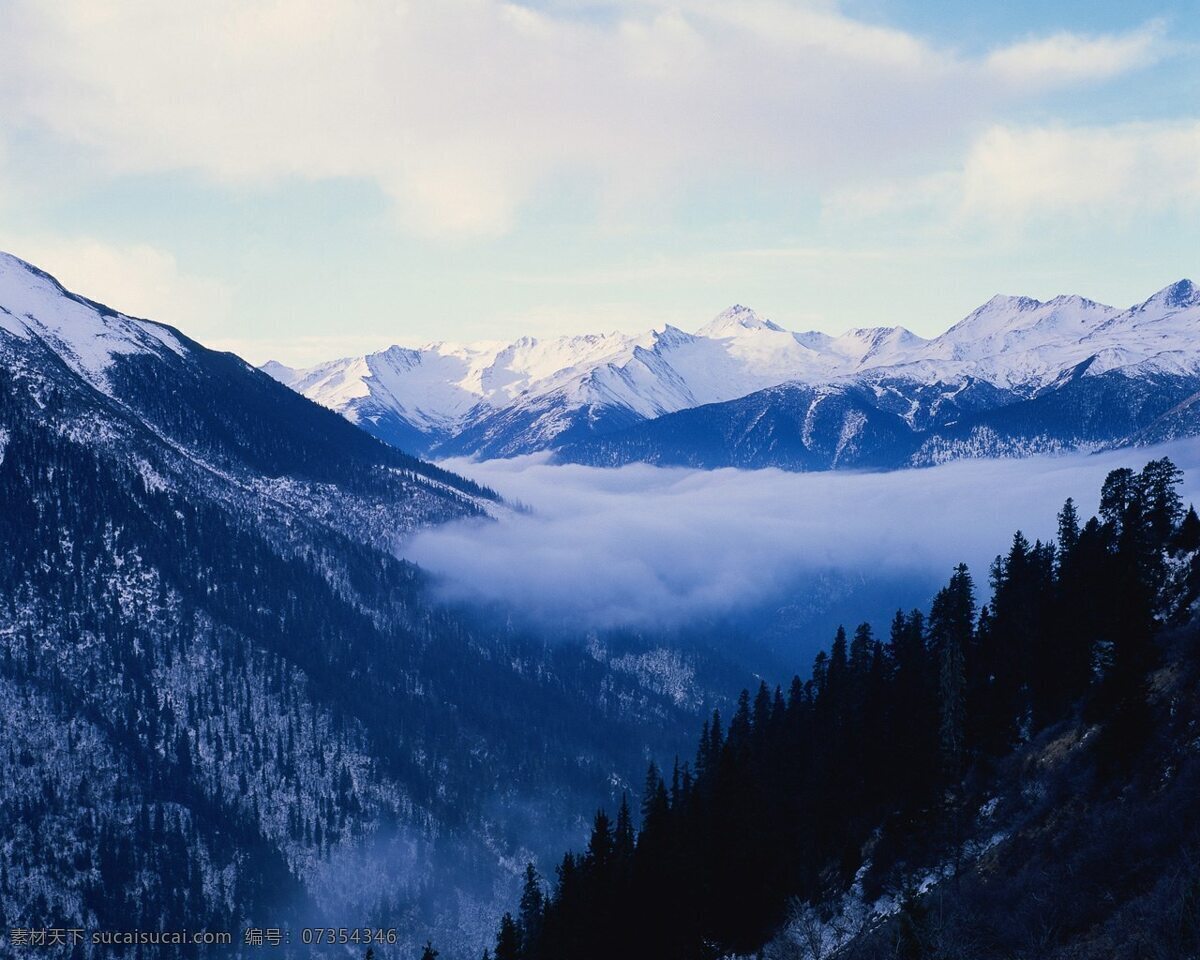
305 180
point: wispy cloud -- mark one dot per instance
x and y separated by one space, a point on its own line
1012 176
1066 58
463 110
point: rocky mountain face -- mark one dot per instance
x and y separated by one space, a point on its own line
1016 376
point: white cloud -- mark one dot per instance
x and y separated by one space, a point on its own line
797 27
1068 58
644 545
1012 176
1015 174
462 110
136 279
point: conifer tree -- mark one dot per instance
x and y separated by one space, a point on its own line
1073 615
838 659
1162 507
820 672
1188 537
913 764
951 628
600 846
761 715
655 802
739 727
1118 498
532 908
860 651
508 940
623 836
1068 529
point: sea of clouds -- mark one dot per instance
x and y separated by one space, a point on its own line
643 546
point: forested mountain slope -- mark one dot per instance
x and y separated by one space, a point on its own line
223 700
1017 780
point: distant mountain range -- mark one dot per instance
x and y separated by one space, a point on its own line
1016 376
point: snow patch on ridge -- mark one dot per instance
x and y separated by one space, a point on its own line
86 335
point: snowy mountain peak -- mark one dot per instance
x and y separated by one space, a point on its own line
877 346
1158 335
398 354
1002 305
735 321
670 336
874 336
1005 302
1065 300
86 335
1002 316
1177 296
279 371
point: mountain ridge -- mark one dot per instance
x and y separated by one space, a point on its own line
499 400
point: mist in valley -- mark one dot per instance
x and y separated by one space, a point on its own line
766 555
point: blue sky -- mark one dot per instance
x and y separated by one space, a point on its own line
307 180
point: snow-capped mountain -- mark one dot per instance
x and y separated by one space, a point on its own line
86 336
194 419
495 399
1015 377
581 395
225 700
1016 341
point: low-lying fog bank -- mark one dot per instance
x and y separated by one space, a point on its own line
642 546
